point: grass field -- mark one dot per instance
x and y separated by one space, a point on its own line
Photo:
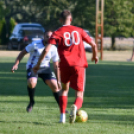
109 100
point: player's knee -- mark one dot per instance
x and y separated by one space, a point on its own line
55 89
79 94
31 83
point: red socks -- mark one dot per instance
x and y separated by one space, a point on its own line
78 102
63 103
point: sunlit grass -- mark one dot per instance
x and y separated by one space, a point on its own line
109 102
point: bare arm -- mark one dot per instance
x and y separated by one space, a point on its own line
94 48
18 59
42 56
57 72
91 42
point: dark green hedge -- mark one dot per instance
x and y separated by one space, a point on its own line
4 34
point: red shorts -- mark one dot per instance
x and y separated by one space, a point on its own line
75 75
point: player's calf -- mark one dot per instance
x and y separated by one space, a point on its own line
31 99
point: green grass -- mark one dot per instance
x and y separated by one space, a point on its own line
109 102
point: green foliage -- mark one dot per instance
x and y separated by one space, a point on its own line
0 29
3 29
51 11
3 37
11 26
84 15
118 18
3 10
118 14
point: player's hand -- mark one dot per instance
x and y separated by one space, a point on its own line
15 67
59 85
96 59
36 68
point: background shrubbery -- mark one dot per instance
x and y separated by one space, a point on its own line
118 15
3 34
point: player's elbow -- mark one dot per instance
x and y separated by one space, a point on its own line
93 44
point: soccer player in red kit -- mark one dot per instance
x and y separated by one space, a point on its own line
72 62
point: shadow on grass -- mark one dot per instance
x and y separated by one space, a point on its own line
107 117
110 119
30 123
108 84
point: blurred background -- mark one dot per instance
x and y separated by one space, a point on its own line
118 19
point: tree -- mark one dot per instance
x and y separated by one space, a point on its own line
84 15
118 15
51 10
22 11
3 32
118 19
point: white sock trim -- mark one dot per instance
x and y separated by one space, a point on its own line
62 117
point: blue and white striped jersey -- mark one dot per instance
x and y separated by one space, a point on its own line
35 49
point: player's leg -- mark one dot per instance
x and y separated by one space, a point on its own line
31 84
65 75
63 101
131 56
79 99
77 105
52 83
50 80
77 82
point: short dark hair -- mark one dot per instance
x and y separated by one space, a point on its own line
65 14
47 31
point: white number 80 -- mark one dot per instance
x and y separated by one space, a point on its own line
71 38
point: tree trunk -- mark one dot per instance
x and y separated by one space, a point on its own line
113 42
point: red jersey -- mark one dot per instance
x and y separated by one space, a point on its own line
70 45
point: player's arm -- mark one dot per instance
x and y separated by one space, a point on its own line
57 72
91 42
18 59
95 51
42 56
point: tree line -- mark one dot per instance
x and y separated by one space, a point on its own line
118 15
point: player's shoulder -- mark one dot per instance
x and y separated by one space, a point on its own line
39 41
57 30
77 28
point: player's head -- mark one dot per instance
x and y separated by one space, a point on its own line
47 35
66 17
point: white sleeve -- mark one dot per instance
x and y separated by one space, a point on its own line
29 48
54 54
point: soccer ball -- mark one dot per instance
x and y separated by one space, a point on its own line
81 116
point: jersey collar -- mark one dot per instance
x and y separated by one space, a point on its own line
66 25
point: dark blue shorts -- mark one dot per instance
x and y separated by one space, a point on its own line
44 76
